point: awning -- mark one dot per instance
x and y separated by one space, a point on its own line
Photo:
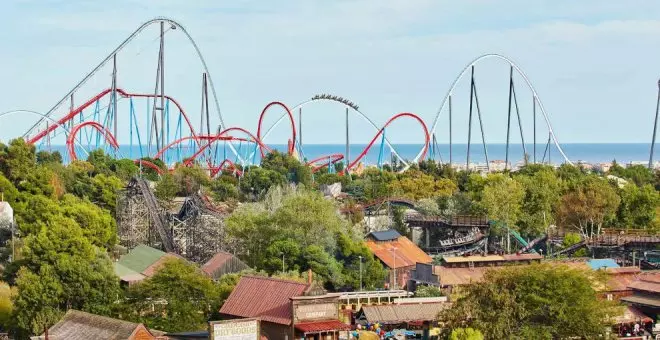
322 326
642 300
632 315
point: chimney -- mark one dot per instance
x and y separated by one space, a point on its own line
309 277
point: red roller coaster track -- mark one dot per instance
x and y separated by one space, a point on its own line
330 159
226 165
427 138
72 136
150 165
221 136
88 103
291 143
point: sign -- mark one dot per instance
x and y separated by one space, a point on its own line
316 311
241 329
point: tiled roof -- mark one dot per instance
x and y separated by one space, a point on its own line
646 286
407 253
261 297
397 313
322 326
385 235
620 282
76 325
223 263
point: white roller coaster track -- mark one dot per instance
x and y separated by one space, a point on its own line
527 81
44 116
121 46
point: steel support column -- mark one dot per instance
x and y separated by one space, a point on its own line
655 127
467 163
508 120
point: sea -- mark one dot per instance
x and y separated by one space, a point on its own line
623 153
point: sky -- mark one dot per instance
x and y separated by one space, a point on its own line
594 63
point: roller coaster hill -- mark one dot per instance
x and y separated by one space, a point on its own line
152 126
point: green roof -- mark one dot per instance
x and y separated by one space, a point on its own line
121 270
139 259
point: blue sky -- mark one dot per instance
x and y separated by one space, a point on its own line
595 64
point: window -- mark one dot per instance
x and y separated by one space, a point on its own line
609 297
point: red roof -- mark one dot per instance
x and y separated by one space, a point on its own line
262 297
407 253
322 326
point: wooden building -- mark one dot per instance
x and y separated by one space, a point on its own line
398 254
77 325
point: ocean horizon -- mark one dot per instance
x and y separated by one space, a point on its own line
576 152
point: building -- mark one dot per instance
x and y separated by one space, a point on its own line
418 314
645 295
455 272
77 325
267 299
317 317
398 254
223 263
351 302
141 262
490 260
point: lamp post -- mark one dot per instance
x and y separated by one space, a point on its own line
360 272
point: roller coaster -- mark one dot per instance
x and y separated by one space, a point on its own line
159 127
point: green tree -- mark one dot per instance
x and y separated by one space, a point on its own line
542 192
588 205
61 269
638 205
465 334
288 166
167 188
428 291
224 189
45 157
502 199
6 306
97 225
306 229
417 185
571 239
178 297
541 301
17 160
257 181
104 191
